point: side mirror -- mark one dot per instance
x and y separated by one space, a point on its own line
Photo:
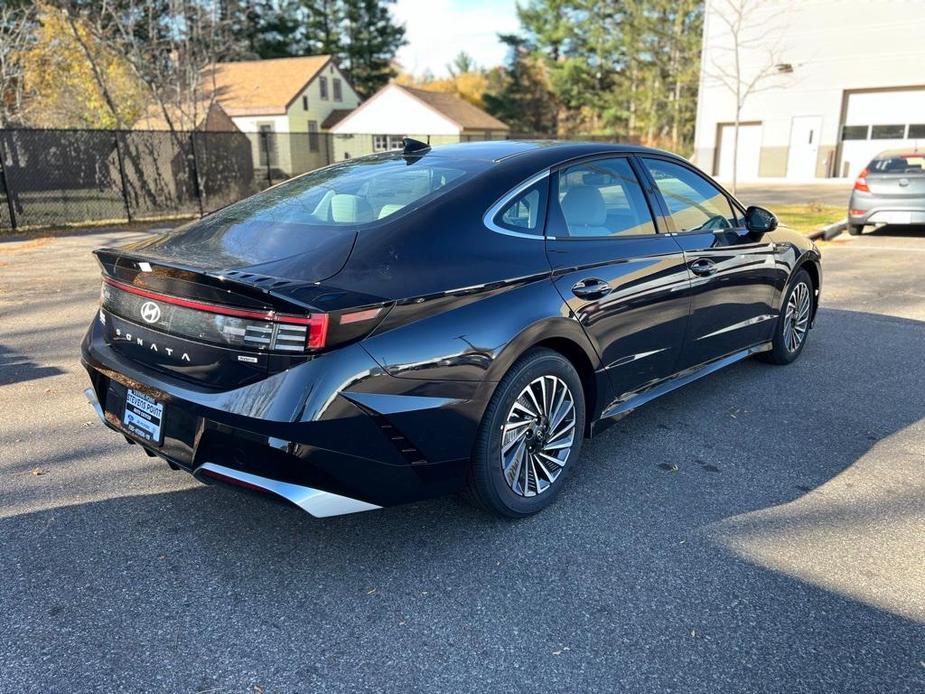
760 220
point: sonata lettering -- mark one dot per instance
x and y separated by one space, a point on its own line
153 346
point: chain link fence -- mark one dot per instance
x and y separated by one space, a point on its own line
70 177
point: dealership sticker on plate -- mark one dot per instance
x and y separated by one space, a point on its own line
143 416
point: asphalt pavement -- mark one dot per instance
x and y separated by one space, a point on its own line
762 530
770 194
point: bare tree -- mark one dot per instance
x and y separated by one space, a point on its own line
172 47
172 53
17 27
748 57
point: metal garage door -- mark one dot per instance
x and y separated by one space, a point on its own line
880 120
748 155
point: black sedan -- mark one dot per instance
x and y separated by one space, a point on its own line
427 321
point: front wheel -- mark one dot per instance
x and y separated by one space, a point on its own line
792 327
530 436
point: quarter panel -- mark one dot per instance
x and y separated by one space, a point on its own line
477 337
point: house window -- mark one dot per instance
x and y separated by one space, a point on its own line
323 87
312 136
383 143
887 132
266 144
917 131
338 95
854 132
305 102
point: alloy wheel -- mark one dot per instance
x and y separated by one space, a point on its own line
796 318
538 436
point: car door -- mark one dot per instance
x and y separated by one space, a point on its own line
625 282
733 270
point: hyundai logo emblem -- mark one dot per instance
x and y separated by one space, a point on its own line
151 312
903 182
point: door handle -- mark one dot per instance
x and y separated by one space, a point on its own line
703 267
591 288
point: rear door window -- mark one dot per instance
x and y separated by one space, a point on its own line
603 198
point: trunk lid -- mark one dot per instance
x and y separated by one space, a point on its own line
227 327
897 186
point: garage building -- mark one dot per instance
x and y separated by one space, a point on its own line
844 81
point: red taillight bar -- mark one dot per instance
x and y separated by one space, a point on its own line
317 322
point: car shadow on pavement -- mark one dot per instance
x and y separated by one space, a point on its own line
898 231
632 581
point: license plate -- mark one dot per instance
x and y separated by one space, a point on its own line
895 217
144 416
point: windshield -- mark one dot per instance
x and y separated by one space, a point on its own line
355 192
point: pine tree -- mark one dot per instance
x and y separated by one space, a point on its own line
325 26
519 93
267 28
372 41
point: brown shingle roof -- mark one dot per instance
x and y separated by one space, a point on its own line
208 117
263 87
335 117
458 110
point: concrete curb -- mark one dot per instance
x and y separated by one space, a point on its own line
830 232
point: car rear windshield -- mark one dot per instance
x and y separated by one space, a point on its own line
353 193
898 164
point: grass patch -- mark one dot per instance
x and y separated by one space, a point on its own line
809 216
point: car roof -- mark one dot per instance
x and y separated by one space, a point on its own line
499 151
891 153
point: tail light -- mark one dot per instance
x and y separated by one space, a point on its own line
861 182
226 325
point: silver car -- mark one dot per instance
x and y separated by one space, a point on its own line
890 190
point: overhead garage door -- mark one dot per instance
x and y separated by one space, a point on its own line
749 151
880 120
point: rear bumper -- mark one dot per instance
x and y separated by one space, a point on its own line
873 210
334 435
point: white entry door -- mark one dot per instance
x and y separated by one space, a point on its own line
804 146
749 151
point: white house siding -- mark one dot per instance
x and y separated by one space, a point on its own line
837 48
303 159
395 112
281 159
293 153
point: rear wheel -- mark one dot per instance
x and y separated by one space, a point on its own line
855 229
792 327
530 436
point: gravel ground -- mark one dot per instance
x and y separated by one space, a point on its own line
761 530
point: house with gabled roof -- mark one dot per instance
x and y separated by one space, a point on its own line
397 111
284 102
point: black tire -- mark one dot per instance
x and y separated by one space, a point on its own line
488 486
855 229
782 351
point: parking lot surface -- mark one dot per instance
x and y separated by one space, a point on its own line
834 192
759 531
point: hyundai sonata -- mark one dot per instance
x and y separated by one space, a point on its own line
421 322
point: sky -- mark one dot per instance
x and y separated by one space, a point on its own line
438 29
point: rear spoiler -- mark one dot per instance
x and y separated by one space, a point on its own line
233 287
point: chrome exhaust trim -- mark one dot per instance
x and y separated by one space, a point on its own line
95 403
319 504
